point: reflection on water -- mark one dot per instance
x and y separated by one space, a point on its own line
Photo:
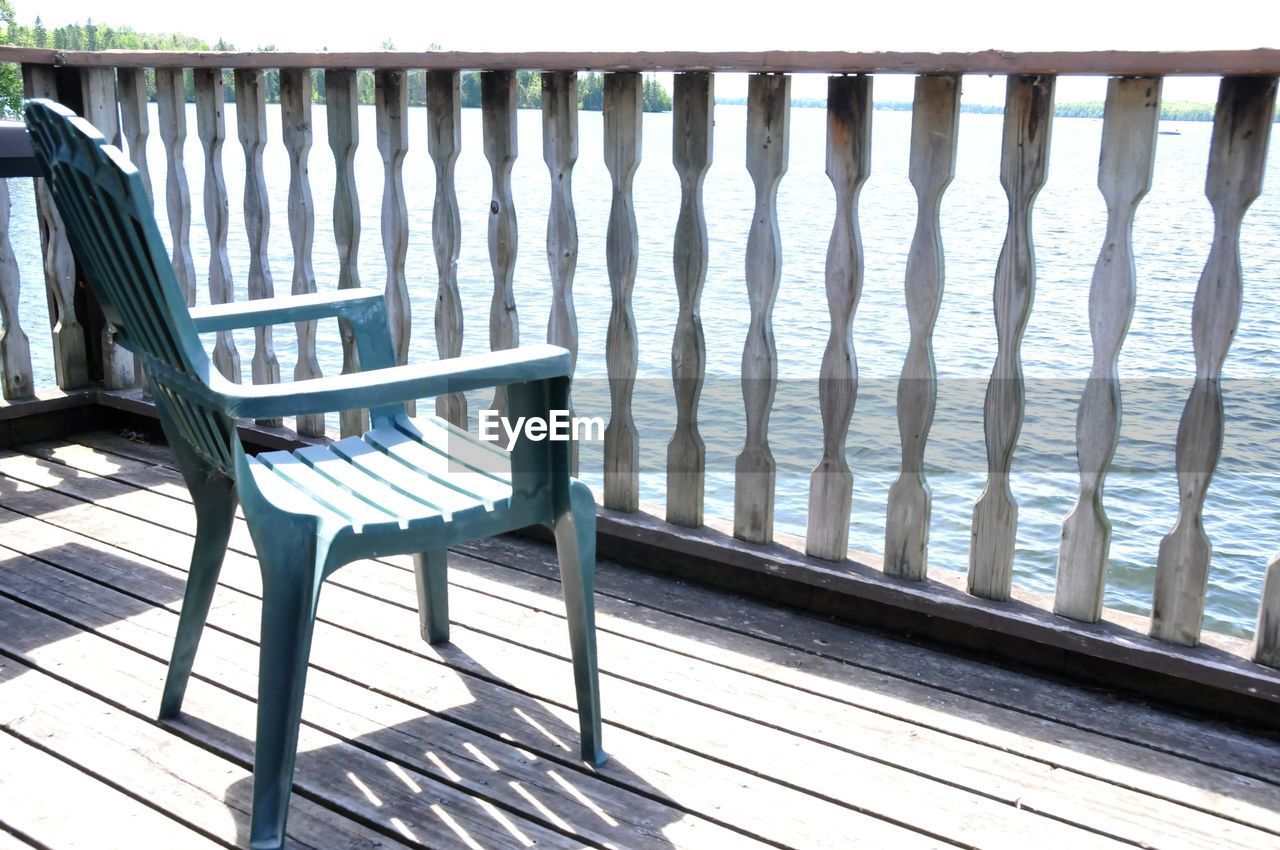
1172 234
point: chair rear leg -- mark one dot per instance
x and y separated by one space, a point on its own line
575 533
215 501
291 577
430 570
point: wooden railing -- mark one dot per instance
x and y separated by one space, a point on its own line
109 89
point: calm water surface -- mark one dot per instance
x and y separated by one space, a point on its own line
1172 234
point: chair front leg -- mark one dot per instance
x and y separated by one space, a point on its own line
575 531
430 570
292 566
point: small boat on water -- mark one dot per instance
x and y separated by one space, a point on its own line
1164 132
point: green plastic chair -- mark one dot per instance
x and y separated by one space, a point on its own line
408 485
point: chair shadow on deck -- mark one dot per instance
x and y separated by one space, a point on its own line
419 780
415 779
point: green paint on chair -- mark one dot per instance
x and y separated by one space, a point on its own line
406 486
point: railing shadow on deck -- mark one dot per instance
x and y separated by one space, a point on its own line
41 572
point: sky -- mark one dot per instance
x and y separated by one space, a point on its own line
920 25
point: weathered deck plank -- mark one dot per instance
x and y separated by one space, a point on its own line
729 721
474 702
192 784
36 788
803 642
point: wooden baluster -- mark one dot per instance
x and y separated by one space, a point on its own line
935 126
444 140
171 104
498 114
1130 121
1237 157
768 129
251 121
135 126
693 120
295 131
1024 161
211 127
102 109
70 360
1266 643
622 131
560 152
15 351
393 142
341 95
848 165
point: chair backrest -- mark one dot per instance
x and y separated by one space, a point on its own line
113 233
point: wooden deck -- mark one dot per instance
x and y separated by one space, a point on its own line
730 723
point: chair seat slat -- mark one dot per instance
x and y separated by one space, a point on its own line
441 467
361 515
366 485
404 478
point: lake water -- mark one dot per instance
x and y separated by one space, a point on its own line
1172 234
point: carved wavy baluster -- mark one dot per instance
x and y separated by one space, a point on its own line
1024 161
211 127
101 108
498 114
560 152
444 140
251 121
1237 157
341 96
1130 121
848 165
15 351
1266 643
391 98
622 130
935 123
171 108
295 131
135 124
768 129
70 361
693 121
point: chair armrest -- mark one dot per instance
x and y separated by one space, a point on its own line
348 304
384 387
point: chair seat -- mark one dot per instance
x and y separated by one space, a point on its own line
409 474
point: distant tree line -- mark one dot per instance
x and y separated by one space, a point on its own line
91 36
1173 110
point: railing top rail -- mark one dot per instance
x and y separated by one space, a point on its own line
1101 62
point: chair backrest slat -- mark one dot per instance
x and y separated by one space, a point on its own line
113 231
